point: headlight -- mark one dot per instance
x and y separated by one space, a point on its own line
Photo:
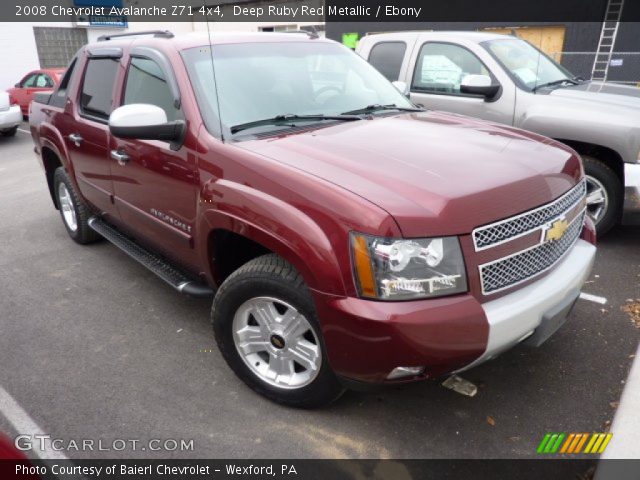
406 269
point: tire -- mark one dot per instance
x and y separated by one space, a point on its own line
75 214
10 133
271 281
605 212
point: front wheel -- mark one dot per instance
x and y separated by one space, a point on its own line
267 330
604 194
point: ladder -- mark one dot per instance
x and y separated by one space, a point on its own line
607 40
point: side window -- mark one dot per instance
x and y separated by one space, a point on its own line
146 83
441 67
387 58
46 80
60 95
42 81
30 81
97 88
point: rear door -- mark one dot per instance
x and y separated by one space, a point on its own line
86 131
156 187
389 54
438 68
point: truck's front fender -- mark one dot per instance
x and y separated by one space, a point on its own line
280 228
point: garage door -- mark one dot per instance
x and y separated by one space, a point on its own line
57 45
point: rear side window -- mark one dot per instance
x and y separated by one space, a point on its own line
387 58
97 88
60 95
146 83
30 81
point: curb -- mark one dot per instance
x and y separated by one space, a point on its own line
625 443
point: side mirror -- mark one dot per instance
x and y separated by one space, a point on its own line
17 85
146 122
479 85
402 87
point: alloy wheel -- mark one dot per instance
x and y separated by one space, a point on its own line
277 342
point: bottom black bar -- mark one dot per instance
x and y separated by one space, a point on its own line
534 469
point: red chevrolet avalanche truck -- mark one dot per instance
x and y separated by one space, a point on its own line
348 237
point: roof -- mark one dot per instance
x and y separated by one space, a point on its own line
198 39
472 36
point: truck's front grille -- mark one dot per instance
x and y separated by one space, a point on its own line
513 227
509 271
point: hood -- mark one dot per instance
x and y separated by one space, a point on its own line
435 173
602 94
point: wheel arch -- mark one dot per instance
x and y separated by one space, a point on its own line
51 161
607 155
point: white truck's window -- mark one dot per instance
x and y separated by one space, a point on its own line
528 65
146 83
440 68
387 58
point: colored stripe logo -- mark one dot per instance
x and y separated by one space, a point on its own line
573 443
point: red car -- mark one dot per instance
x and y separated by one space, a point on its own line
34 82
348 236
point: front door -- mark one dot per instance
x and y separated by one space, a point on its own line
155 186
439 70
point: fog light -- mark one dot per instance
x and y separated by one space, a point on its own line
401 372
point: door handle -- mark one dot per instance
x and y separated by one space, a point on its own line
121 157
75 138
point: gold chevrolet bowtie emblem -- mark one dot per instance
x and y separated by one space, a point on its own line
556 231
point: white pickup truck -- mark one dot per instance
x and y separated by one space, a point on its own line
506 80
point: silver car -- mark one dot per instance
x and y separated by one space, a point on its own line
504 79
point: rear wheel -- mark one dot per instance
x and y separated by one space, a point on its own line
604 194
267 330
75 214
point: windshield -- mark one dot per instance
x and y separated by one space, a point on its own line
258 81
528 65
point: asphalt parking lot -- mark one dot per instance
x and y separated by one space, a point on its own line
93 346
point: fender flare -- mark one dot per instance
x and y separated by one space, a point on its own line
274 224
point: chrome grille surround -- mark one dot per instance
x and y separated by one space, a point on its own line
514 269
511 228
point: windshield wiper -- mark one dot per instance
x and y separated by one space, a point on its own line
573 81
377 108
289 119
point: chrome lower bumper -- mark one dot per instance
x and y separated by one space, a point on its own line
516 316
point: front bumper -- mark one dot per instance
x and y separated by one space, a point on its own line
365 340
631 209
10 118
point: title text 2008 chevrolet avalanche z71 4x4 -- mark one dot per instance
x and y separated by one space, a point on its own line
349 237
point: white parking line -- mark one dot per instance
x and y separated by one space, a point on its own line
593 298
24 131
24 425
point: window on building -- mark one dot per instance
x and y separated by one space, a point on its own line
97 89
442 66
387 57
146 83
57 45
